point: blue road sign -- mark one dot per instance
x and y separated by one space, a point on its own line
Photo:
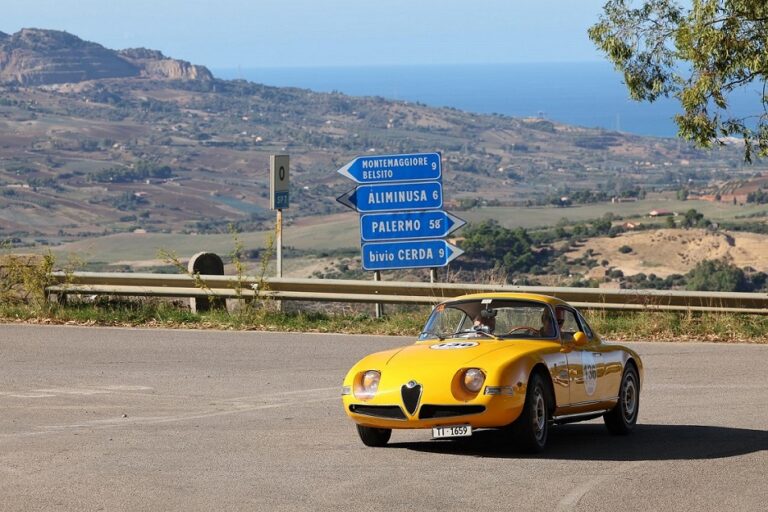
281 200
426 195
408 254
407 225
390 168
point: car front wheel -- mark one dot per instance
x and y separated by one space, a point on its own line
531 429
375 437
622 419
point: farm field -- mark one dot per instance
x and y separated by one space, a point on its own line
537 217
138 250
335 232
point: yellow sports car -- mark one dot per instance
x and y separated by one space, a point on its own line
501 360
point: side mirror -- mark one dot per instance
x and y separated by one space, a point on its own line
579 339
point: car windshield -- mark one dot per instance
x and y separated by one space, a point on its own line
491 318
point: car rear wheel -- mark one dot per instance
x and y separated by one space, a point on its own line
372 436
622 419
531 429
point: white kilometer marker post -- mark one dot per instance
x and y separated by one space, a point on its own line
279 198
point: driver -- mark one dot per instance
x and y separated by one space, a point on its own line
547 326
485 321
560 314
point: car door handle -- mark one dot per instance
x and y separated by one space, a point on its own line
597 354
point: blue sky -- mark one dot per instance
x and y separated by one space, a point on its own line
277 33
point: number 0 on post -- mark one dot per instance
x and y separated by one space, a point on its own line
278 182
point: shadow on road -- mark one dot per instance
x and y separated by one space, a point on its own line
593 442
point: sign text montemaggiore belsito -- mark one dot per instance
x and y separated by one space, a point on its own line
388 169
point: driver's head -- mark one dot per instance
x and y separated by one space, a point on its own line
547 328
560 316
486 317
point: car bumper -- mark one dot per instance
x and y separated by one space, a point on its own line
484 411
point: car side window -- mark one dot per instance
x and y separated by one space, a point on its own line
585 328
569 326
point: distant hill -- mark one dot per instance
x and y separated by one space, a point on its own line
95 141
39 57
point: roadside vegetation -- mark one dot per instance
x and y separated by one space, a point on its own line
535 256
564 255
612 326
23 299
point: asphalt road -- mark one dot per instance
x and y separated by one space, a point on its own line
124 419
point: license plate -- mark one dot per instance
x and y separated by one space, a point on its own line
452 431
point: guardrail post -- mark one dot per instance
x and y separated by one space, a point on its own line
59 298
206 263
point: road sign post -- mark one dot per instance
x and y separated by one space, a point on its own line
379 307
279 198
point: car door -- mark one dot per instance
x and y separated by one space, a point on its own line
608 363
583 360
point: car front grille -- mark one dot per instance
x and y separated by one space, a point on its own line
393 412
411 394
430 411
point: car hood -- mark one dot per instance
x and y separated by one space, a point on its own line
456 353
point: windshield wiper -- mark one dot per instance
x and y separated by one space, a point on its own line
475 331
430 333
492 336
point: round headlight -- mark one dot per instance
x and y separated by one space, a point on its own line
370 381
474 379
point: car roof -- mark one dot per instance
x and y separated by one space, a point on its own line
552 301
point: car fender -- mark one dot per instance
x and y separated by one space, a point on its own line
516 371
375 361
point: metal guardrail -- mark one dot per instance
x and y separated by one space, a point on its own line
391 292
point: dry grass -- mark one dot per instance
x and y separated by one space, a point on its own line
680 326
612 326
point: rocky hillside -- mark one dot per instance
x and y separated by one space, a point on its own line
135 141
41 57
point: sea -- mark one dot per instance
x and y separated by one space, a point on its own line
590 94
